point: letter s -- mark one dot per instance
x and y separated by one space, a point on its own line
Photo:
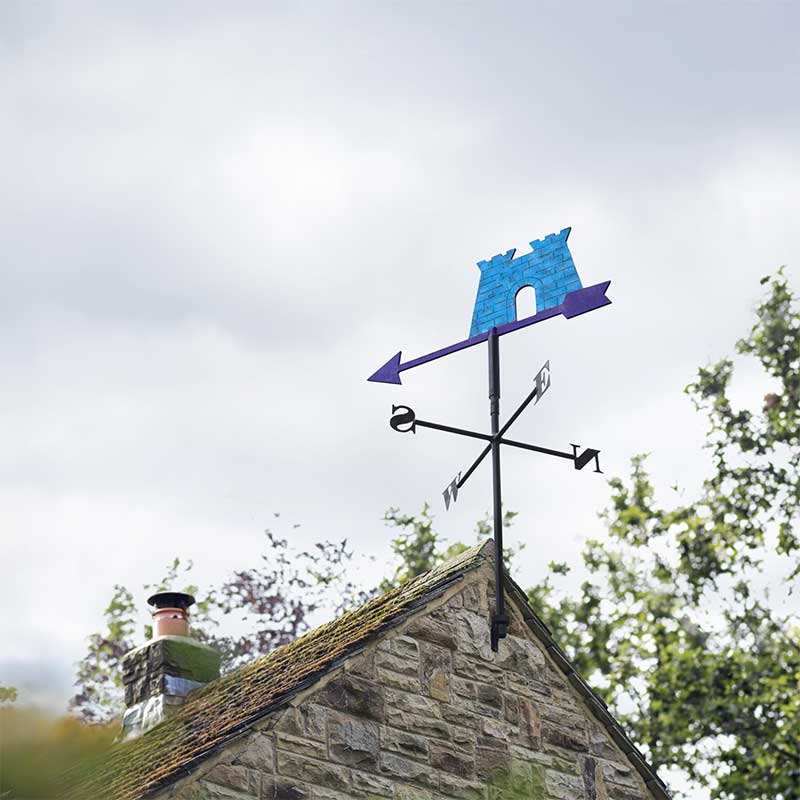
403 415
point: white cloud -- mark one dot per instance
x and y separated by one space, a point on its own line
215 227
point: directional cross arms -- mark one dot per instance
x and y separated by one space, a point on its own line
404 420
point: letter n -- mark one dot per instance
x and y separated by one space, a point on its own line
585 457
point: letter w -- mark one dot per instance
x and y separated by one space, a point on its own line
452 488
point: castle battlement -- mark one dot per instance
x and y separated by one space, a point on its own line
497 261
552 240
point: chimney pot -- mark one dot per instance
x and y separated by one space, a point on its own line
171 617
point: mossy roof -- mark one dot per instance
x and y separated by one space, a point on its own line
230 705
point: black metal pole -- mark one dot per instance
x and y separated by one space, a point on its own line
488 449
500 620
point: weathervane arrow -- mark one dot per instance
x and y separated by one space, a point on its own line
574 304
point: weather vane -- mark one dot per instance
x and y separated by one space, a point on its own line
550 271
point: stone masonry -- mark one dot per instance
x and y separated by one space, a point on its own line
159 675
429 712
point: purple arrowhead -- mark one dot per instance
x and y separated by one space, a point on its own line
389 372
583 300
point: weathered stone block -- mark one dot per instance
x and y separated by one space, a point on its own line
563 786
406 744
452 786
474 598
356 696
405 666
363 664
511 708
258 753
417 723
414 703
367 785
404 647
354 742
307 720
396 680
564 738
207 790
407 770
497 729
620 773
435 668
473 633
404 792
522 657
284 789
478 671
490 760
518 779
461 717
320 773
432 630
240 778
300 745
463 688
451 760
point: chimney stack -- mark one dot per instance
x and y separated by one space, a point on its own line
159 675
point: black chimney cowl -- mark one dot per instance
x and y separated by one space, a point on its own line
171 600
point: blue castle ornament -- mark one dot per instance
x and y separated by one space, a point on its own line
548 269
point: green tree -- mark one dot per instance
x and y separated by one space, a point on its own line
99 678
276 600
674 624
418 546
8 694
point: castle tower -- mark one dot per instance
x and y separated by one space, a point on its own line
548 268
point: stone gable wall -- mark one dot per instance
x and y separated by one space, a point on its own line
429 713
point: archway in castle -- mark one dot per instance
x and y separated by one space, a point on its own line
525 302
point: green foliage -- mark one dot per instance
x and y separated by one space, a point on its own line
99 678
276 599
669 626
419 547
8 694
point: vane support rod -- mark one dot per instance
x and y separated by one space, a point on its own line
500 620
511 420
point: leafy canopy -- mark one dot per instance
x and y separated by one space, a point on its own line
675 624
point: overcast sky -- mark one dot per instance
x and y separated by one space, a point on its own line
219 218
